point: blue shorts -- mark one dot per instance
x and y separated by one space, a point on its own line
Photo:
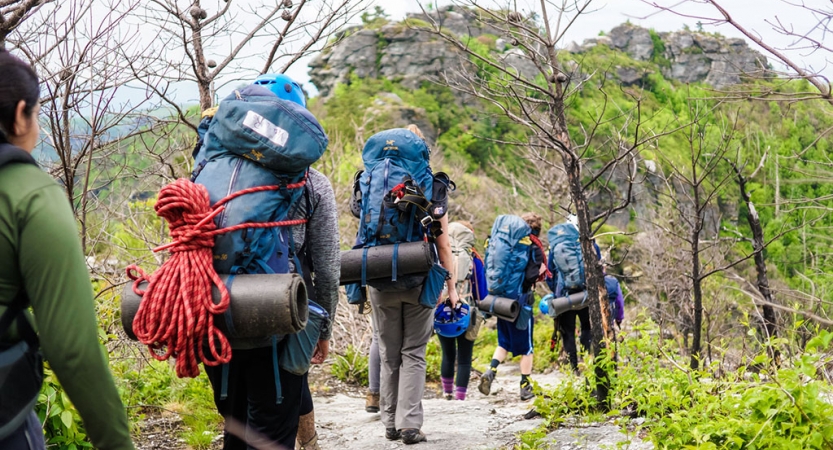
515 341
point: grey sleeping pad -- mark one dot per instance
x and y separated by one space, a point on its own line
261 305
502 307
574 301
412 258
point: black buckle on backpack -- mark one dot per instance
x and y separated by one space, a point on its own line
426 221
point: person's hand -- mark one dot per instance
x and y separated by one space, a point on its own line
455 299
322 349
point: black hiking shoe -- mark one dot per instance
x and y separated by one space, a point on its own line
526 392
413 436
392 434
486 379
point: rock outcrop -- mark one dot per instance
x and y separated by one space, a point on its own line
686 56
399 51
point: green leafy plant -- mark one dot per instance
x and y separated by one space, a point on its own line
351 367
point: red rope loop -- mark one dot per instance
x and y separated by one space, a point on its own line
175 315
537 242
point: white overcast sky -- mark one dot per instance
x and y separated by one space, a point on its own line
607 14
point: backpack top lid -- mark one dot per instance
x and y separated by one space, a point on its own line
563 232
462 238
397 143
277 134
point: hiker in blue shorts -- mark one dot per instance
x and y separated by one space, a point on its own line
516 337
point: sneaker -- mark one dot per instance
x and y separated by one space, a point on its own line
392 434
486 379
526 392
371 404
448 396
413 436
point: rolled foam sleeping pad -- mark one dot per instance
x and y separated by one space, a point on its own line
412 258
561 305
504 308
261 305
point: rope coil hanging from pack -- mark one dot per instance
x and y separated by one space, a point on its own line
175 317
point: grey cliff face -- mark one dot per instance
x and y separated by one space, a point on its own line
397 51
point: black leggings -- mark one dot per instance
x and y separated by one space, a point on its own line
251 400
458 348
566 323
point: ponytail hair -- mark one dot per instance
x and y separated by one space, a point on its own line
18 82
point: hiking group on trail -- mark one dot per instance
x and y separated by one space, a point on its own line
257 225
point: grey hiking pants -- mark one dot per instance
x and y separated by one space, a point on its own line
404 328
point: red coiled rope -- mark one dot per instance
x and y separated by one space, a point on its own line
175 315
537 242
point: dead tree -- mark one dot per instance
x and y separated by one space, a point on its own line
14 12
533 91
221 42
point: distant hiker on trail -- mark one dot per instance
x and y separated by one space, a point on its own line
567 266
458 344
399 200
374 373
515 261
233 155
617 300
42 266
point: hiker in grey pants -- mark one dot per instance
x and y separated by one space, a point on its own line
404 327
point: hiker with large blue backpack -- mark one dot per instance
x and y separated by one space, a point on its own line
42 267
515 261
567 265
457 328
270 213
399 200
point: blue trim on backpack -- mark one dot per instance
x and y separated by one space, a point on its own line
278 391
224 382
364 266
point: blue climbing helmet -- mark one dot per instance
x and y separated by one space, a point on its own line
284 87
451 322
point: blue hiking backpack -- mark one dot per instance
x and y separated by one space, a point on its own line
256 139
395 161
507 255
565 254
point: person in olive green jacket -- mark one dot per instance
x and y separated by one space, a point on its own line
40 254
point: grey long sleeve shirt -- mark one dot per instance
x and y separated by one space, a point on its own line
320 241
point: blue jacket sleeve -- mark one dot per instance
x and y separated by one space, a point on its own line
619 314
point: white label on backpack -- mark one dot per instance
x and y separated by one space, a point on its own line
265 128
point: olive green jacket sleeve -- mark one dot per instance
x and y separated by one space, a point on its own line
54 273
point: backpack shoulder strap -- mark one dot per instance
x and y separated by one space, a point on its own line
12 154
14 313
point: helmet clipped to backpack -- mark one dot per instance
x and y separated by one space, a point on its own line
283 86
451 322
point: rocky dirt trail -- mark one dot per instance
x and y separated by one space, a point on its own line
480 422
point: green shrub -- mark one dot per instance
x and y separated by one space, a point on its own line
351 367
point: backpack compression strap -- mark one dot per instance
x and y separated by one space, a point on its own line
407 197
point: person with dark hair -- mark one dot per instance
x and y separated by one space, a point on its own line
42 266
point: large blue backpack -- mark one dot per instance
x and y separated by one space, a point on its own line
565 254
395 161
507 255
257 139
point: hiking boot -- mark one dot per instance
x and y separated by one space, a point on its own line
486 379
371 404
413 436
448 396
526 392
392 434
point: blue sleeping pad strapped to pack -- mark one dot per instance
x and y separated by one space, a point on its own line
565 254
390 157
256 139
507 256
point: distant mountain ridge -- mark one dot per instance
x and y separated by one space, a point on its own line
398 50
